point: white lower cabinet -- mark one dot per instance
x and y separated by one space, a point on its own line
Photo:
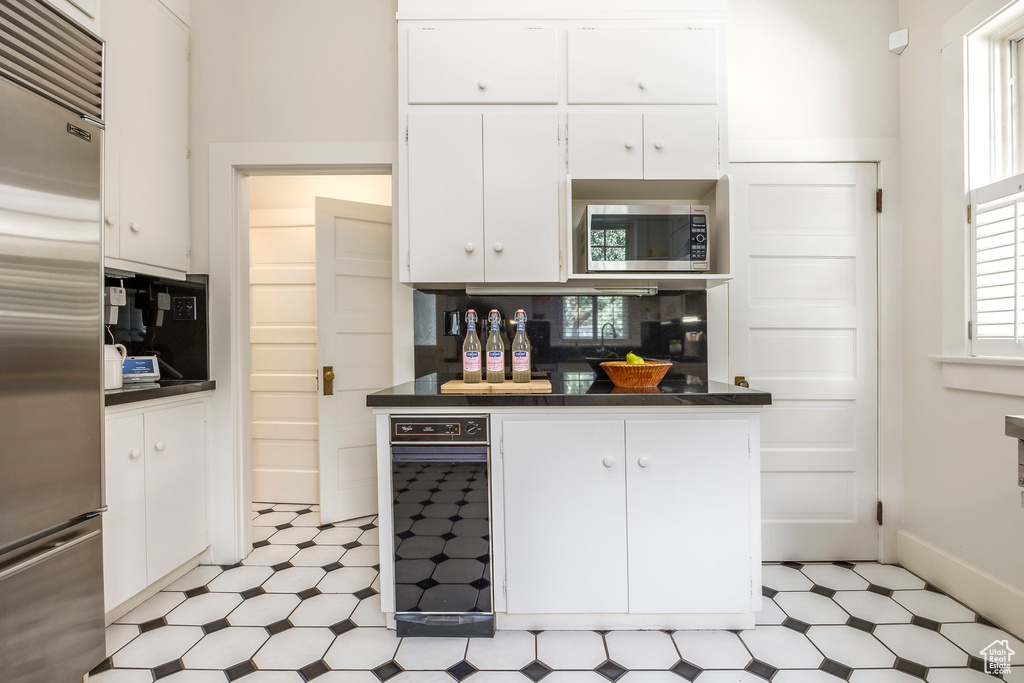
639 516
155 492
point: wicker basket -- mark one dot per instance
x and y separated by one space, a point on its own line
632 376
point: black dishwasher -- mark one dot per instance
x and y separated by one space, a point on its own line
441 509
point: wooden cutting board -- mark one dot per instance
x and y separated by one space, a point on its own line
534 386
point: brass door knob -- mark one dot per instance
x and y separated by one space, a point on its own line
328 380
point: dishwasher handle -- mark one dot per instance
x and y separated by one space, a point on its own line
455 454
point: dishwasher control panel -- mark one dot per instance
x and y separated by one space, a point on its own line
439 429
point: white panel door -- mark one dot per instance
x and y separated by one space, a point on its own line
803 319
606 146
565 516
681 144
176 503
688 487
470 64
521 197
353 284
446 195
647 66
124 522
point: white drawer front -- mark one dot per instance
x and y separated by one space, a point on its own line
653 66
465 65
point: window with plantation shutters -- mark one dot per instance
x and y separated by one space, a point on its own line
997 268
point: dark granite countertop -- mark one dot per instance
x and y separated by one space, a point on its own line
133 393
572 389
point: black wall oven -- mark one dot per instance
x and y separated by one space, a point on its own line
441 508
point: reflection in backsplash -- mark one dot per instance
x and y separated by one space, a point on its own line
158 319
571 333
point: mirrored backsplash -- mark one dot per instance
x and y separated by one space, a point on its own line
569 333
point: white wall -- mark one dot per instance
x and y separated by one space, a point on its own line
963 523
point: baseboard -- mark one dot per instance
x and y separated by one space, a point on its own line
993 598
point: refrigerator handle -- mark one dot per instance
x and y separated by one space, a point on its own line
46 552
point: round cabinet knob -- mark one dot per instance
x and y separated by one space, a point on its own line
498 247
469 247
109 220
644 461
629 144
642 83
658 144
608 461
135 227
134 454
482 84
159 446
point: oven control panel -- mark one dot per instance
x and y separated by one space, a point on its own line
439 429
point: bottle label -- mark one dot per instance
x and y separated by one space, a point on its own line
520 325
471 326
471 361
520 361
495 361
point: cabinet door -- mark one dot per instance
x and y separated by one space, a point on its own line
175 487
644 66
688 492
681 144
446 194
147 100
565 517
521 197
471 64
124 522
606 146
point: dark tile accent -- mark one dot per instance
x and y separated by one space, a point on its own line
281 566
861 624
314 670
281 527
367 527
195 592
822 590
279 626
537 633
480 584
260 544
325 527
611 670
881 590
252 592
925 623
152 624
668 631
214 626
308 593
428 583
376 567
168 668
933 589
830 666
603 633
768 592
364 593
105 665
462 670
225 567
844 565
439 558
793 565
343 627
535 670
349 546
909 667
985 622
241 669
305 544
448 536
796 625
761 669
387 670
408 534
332 566
455 518
684 669
976 663
417 518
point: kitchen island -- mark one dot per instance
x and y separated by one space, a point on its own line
608 509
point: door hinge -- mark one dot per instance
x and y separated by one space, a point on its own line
559 260
188 53
407 135
501 447
748 444
878 201
188 152
970 330
567 147
504 586
879 513
968 214
407 259
188 252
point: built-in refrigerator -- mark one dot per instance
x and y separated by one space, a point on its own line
51 398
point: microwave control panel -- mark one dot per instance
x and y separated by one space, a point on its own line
699 241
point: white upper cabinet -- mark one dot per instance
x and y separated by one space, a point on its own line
643 66
681 143
145 162
455 64
606 145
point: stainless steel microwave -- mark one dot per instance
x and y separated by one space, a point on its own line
646 237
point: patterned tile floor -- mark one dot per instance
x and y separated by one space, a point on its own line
305 605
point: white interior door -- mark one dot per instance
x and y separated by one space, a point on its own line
803 320
353 281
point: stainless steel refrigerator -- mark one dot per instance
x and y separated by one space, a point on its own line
51 397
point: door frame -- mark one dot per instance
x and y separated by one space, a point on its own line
230 461
885 154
